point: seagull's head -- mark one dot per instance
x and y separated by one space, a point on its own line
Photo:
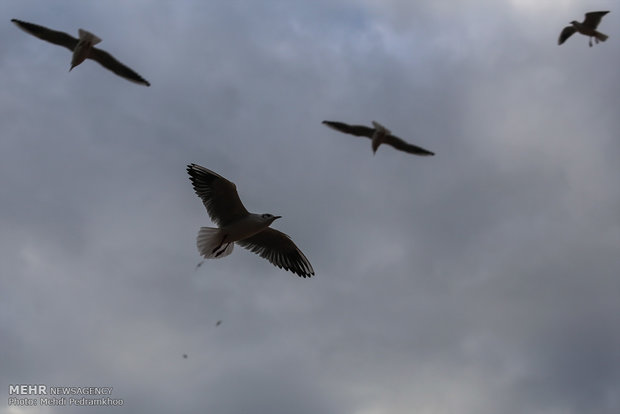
269 218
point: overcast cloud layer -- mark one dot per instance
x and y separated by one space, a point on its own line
483 280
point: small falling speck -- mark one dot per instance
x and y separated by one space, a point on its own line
184 356
199 264
218 323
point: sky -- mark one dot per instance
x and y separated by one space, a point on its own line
483 280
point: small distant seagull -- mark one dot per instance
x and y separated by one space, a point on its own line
587 27
379 135
218 323
237 225
82 48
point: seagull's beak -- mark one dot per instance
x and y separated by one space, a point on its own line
277 217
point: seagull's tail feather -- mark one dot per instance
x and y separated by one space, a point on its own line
209 242
600 36
86 35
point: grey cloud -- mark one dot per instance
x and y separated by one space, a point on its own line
482 280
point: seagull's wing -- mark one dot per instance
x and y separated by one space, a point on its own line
218 195
357 130
566 33
109 62
402 145
52 36
594 18
280 250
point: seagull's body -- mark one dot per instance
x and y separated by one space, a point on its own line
379 135
237 225
587 28
84 45
82 48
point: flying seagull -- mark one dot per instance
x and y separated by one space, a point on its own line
379 135
587 27
237 225
82 48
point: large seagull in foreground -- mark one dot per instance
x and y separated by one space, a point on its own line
82 48
379 135
237 225
587 27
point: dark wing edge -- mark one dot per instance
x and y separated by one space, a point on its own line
109 62
279 250
402 145
593 19
357 130
49 35
566 33
210 186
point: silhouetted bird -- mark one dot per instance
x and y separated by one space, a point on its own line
237 225
379 135
587 27
82 48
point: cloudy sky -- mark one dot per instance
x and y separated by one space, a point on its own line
483 280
